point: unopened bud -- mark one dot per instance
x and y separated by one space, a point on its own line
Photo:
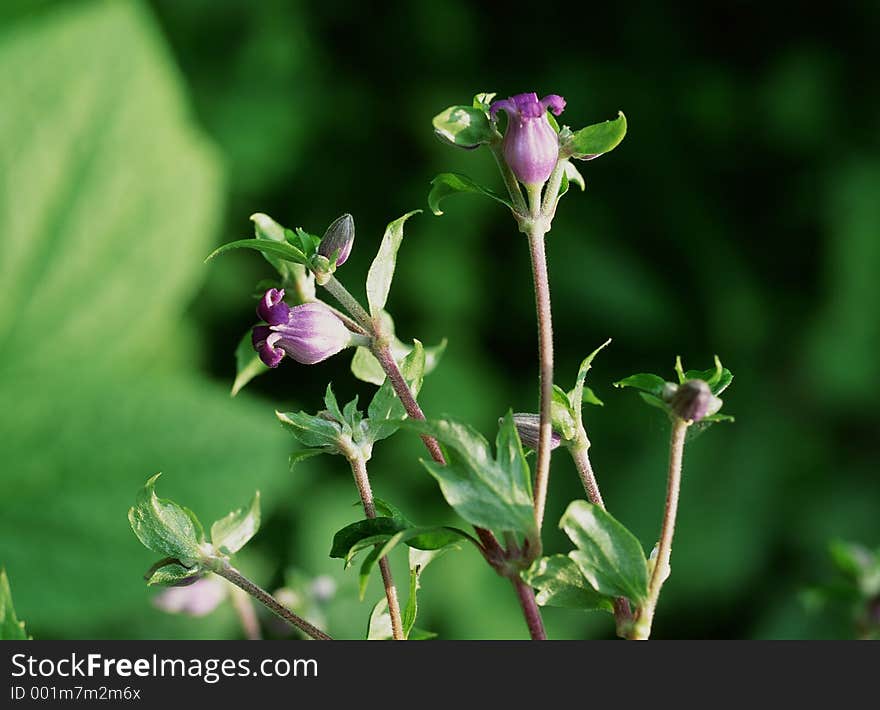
692 400
338 239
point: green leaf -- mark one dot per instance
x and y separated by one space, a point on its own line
302 455
718 378
379 625
573 175
564 417
589 397
247 364
651 384
483 100
464 126
386 411
312 431
490 492
165 527
282 251
595 140
346 538
560 583
382 269
418 561
172 574
232 532
446 184
294 276
367 368
608 555
11 629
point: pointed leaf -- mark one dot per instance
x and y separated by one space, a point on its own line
312 431
283 251
560 583
231 533
651 384
247 364
446 184
11 629
173 574
464 126
165 527
485 491
595 140
382 269
608 555
386 411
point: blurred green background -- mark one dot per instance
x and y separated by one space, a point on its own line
741 216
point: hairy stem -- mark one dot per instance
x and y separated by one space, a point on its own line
362 479
580 452
530 609
645 617
350 303
536 234
492 550
261 595
247 617
413 410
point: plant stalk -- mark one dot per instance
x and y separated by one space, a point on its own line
492 550
641 629
229 572
362 479
536 234
530 609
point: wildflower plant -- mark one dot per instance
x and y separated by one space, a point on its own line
307 315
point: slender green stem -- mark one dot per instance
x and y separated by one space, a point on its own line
513 188
261 595
536 234
551 194
350 303
244 609
362 479
645 616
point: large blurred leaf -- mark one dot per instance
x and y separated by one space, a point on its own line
107 207
108 197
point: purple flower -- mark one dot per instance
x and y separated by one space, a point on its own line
308 333
528 426
530 145
197 599
338 239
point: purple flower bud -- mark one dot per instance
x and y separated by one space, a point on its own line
308 333
530 145
338 239
528 426
692 400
